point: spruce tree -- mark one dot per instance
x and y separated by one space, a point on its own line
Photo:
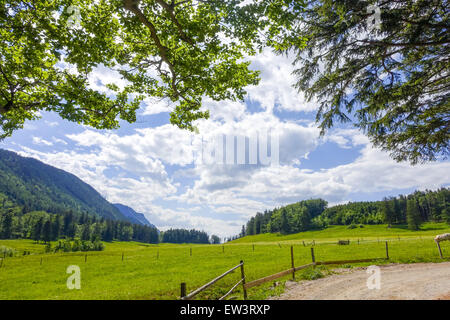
85 232
37 229
412 215
284 227
6 226
47 231
388 212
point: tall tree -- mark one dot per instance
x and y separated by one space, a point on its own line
215 239
181 51
46 234
37 230
412 214
56 226
284 224
6 225
388 211
85 232
392 78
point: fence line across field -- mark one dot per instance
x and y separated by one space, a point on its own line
258 282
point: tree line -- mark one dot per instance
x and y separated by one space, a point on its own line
46 227
187 236
412 210
85 228
292 218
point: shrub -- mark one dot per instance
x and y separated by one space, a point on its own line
79 245
312 274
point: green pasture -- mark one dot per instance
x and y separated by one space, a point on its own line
156 271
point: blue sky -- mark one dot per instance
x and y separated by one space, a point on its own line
149 165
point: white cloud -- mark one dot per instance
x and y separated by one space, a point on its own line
276 86
132 169
42 142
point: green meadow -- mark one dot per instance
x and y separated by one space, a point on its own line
156 271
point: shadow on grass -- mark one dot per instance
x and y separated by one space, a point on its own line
426 228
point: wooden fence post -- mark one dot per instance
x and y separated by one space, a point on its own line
292 263
191 252
312 256
183 290
243 279
440 251
387 251
304 244
122 256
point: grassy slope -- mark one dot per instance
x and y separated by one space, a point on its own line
368 232
142 276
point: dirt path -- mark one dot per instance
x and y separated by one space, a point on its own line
398 281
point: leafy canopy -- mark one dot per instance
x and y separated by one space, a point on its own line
392 81
181 50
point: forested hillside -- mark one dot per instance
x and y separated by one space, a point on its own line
43 203
43 226
35 186
413 209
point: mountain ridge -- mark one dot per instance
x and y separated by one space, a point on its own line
35 185
130 213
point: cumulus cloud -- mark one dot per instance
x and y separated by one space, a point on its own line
155 169
276 86
40 141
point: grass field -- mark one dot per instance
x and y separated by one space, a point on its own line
142 275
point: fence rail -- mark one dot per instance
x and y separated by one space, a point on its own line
271 277
207 285
292 270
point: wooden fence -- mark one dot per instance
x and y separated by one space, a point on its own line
254 283
191 295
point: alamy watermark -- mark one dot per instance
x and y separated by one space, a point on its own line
258 148
74 19
374 20
374 280
74 280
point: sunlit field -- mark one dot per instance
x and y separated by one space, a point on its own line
156 271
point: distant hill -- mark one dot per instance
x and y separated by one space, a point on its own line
313 214
133 216
34 185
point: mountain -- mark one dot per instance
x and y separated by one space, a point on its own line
133 216
34 185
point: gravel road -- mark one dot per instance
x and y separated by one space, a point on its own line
422 281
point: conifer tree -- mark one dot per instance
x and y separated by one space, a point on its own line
412 214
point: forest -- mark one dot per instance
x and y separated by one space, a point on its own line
15 223
185 236
84 230
412 210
